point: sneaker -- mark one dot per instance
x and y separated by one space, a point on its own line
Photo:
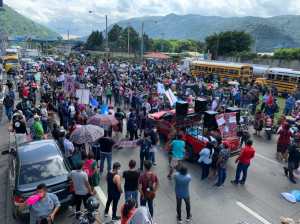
188 219
116 218
179 220
286 171
234 182
242 182
154 164
105 215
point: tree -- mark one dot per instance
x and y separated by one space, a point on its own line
134 40
94 41
115 33
226 43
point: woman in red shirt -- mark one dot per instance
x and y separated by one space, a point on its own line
127 211
283 142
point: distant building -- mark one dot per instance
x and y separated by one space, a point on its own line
3 42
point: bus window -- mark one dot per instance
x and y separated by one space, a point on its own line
213 69
271 77
231 72
293 80
286 78
279 77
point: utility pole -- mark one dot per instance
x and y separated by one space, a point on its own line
128 41
162 44
106 38
142 43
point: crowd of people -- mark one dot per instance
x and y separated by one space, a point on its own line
46 106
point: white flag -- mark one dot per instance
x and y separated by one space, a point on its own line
171 97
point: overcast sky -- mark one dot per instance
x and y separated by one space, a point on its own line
55 13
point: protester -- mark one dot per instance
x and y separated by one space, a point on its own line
128 210
246 155
37 128
114 191
177 147
283 142
45 209
106 146
131 178
293 159
182 182
8 102
82 188
145 146
223 157
205 159
19 127
148 186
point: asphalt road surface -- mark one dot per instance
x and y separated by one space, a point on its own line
257 202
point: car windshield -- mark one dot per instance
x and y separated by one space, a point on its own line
11 61
43 170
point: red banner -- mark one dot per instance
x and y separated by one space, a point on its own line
227 124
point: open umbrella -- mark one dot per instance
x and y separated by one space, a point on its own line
103 120
86 134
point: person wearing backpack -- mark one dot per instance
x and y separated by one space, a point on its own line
148 186
8 102
145 146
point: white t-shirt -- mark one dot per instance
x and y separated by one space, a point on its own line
79 178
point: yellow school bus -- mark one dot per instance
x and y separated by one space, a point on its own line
222 70
11 63
284 79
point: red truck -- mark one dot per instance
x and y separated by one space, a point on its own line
191 126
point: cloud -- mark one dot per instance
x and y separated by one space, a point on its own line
74 15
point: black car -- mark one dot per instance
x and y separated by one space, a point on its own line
34 163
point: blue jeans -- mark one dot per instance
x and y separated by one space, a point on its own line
108 157
9 112
131 195
143 156
221 176
145 201
241 168
152 157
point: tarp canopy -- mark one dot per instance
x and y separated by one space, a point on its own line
156 55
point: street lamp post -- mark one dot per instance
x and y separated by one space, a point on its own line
142 42
128 40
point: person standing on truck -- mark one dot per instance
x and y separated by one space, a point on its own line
244 159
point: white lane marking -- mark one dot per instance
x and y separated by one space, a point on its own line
267 159
102 197
253 213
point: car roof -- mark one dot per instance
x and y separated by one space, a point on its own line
37 151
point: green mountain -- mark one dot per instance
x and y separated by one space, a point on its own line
268 33
14 24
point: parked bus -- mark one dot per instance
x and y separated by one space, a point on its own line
11 63
284 79
222 70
